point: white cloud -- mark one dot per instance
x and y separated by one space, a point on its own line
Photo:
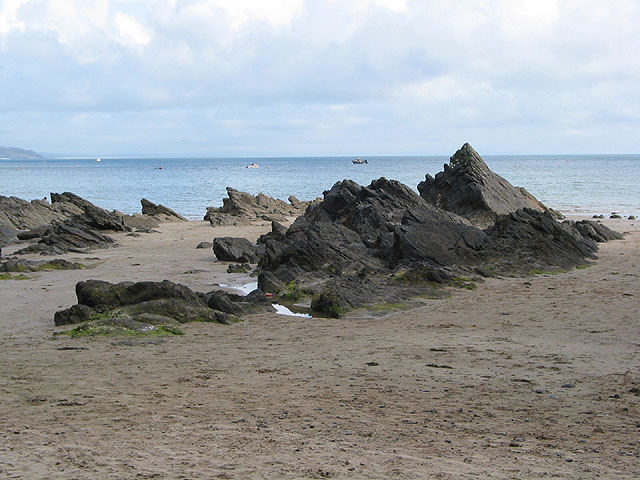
9 16
130 30
373 69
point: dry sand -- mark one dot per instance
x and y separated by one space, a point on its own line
521 378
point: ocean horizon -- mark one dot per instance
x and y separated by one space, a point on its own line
572 184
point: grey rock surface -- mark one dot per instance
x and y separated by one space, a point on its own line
470 189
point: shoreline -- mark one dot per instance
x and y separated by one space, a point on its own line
524 376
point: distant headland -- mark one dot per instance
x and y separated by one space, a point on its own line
13 153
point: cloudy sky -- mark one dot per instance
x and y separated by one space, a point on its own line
320 77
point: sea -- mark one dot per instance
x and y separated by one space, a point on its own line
572 184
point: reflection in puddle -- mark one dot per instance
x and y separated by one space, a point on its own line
282 310
247 288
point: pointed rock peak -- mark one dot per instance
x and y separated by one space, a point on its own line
467 187
467 157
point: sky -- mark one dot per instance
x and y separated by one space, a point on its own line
217 78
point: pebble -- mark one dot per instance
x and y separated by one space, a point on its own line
569 385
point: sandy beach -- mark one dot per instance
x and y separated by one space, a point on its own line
532 377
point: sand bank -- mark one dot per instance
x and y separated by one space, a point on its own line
520 378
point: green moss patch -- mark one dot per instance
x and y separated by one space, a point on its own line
294 292
463 282
102 328
8 276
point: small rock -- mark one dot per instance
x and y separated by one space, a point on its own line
205 245
568 385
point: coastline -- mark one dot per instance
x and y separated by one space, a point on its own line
522 376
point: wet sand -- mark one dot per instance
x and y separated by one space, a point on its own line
521 378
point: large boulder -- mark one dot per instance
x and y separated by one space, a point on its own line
160 213
157 303
470 189
241 208
231 249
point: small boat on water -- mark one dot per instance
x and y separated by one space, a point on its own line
98 159
253 165
360 161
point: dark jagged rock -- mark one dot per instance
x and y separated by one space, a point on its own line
254 302
373 227
385 243
72 315
230 249
269 283
35 233
92 216
529 239
241 208
160 212
64 238
594 231
470 189
157 303
19 214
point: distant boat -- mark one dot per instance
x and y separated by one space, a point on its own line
253 165
359 161
98 159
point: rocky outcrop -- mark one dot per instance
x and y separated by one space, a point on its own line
529 240
63 238
374 227
156 303
241 208
230 249
385 243
593 230
160 213
92 216
470 189
77 225
19 214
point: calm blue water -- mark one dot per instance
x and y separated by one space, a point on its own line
573 184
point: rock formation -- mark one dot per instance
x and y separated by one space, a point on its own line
92 216
470 189
385 243
78 231
144 306
160 213
64 237
230 249
241 208
20 214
